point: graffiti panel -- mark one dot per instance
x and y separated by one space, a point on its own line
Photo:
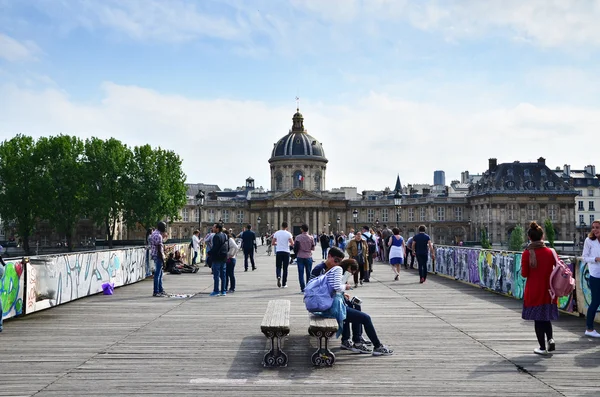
584 294
11 289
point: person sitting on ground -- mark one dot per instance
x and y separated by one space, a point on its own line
171 264
182 266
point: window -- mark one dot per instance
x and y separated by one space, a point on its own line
526 172
530 184
510 184
591 219
458 213
317 181
590 206
298 179
186 214
197 215
591 192
581 219
441 214
370 215
240 216
422 214
411 214
553 212
225 216
278 181
385 215
512 212
211 216
580 192
580 206
532 212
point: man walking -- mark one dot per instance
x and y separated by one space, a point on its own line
421 244
282 239
304 246
386 233
324 240
218 255
249 247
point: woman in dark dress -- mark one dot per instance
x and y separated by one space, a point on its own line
537 264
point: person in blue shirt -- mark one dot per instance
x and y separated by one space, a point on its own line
421 246
249 247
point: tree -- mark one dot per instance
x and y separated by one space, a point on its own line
106 172
157 187
516 239
485 242
20 193
550 232
63 179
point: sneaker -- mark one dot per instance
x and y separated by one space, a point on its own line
592 333
285 286
551 345
347 345
367 280
396 278
355 285
382 351
361 282
361 348
421 281
279 282
254 268
231 291
541 352
159 295
223 293
215 294
365 341
246 269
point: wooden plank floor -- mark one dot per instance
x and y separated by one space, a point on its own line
450 339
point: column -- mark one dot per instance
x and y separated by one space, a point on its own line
289 219
314 227
306 217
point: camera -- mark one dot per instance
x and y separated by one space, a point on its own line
356 300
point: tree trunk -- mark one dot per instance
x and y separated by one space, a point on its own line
109 232
26 247
69 237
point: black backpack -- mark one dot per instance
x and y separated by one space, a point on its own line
371 245
220 251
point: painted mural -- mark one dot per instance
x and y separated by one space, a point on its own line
499 271
583 284
11 288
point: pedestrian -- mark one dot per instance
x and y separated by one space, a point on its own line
410 253
304 246
195 245
208 244
421 245
537 263
396 249
369 238
386 233
249 247
230 264
324 240
282 240
157 253
591 255
357 250
218 254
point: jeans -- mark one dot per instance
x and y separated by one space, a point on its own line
595 303
158 273
324 252
219 270
282 260
249 253
411 254
358 320
304 267
229 274
422 261
195 257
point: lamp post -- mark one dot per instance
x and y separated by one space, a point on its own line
397 204
258 222
338 223
377 224
329 227
268 228
355 216
200 197
470 232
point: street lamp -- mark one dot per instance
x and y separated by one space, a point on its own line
329 227
338 223
258 221
268 228
376 224
397 204
200 197
355 216
221 221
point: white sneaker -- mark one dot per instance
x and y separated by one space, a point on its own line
541 352
592 334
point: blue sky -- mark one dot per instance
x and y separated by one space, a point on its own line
389 87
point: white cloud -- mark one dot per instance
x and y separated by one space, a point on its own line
14 51
367 141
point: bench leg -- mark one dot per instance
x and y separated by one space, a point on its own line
323 357
275 357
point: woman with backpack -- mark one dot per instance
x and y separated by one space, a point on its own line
591 255
537 263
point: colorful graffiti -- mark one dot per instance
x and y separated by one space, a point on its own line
11 289
583 284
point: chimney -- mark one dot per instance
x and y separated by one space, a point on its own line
542 161
590 169
493 164
567 171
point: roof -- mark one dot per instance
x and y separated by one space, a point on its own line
298 144
192 188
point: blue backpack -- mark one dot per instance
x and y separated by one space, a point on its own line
317 296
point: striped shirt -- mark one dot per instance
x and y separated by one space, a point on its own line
334 279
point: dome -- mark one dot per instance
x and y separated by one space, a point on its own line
298 144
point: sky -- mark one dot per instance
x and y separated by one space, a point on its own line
390 87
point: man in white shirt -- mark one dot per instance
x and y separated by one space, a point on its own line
195 245
282 240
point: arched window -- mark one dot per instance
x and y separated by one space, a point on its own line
298 179
317 181
278 181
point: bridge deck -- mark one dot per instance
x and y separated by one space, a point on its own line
450 339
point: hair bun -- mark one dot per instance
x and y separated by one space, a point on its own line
534 225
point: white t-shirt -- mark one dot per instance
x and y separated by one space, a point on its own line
195 242
283 240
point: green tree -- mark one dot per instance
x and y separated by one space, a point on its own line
517 238
550 232
156 187
20 193
106 172
485 242
64 183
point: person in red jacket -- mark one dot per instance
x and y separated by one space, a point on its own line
537 263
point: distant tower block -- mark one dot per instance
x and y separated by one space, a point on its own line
439 178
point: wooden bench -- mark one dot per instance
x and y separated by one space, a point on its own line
323 328
276 326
